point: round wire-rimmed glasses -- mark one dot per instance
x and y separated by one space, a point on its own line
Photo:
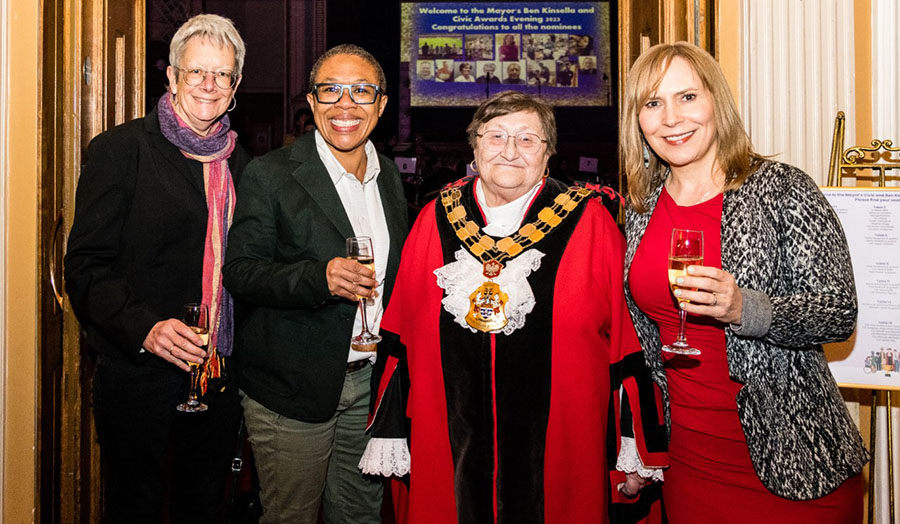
196 76
496 140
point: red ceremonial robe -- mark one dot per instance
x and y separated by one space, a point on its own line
523 427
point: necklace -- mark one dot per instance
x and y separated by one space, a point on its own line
710 192
488 301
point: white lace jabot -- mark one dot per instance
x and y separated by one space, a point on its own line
461 278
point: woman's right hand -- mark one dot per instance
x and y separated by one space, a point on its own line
173 341
349 279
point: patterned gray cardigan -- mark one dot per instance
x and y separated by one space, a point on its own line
786 249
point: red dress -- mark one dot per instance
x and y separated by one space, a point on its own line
711 478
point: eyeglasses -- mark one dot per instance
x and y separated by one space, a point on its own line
361 94
223 79
497 140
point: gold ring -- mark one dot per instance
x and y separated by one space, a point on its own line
715 299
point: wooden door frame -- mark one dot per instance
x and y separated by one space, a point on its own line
80 71
644 23
60 131
4 173
50 306
19 175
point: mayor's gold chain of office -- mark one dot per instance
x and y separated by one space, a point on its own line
485 248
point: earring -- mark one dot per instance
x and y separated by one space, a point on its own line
646 156
174 99
233 104
473 166
546 171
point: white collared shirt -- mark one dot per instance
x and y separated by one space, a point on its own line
362 203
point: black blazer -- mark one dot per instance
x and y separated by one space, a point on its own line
291 351
135 251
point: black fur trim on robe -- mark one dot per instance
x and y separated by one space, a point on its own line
653 431
395 395
523 363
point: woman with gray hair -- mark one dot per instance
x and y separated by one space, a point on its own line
152 212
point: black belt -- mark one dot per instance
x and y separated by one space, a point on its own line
356 365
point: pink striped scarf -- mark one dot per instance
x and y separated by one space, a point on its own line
220 198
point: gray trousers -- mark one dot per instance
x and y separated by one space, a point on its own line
304 465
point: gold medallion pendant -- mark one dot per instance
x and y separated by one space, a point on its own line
487 305
487 308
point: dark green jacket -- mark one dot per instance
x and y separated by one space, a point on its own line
291 350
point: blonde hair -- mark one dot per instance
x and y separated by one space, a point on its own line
217 29
734 152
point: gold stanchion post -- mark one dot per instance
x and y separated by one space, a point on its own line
872 418
890 444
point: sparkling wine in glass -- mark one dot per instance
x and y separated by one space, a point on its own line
196 317
360 249
685 250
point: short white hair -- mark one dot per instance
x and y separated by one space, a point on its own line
217 29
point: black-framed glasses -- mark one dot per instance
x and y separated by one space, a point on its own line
496 140
330 93
223 79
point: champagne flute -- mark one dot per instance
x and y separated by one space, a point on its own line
196 317
360 249
685 250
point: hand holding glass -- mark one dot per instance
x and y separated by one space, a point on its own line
685 250
196 317
360 249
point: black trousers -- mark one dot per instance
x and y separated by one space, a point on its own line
161 465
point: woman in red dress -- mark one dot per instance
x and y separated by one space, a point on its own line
758 429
